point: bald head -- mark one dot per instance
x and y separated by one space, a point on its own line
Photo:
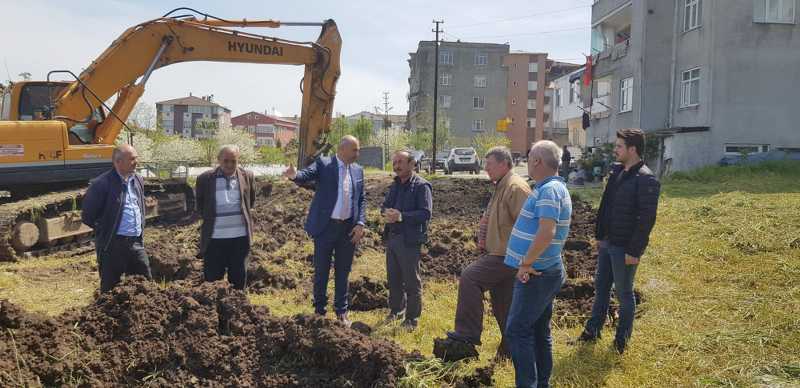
348 149
125 159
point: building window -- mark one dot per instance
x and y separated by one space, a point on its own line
780 11
479 102
739 149
531 103
574 91
626 95
481 59
478 125
446 101
690 88
557 92
531 123
445 79
480 81
692 14
514 83
533 67
531 86
513 101
445 57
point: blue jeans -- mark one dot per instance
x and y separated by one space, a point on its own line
334 243
611 269
528 328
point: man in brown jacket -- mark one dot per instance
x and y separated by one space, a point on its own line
225 197
488 273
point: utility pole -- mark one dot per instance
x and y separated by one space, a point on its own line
435 91
386 124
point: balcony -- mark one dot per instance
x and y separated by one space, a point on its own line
611 33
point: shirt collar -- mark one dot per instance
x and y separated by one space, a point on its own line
548 179
411 178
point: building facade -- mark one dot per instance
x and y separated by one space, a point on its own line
529 100
192 117
472 88
566 121
267 130
708 78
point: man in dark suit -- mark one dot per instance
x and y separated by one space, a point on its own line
335 220
114 207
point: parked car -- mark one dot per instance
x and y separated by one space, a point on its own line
462 159
441 160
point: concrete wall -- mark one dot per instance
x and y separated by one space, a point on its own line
371 157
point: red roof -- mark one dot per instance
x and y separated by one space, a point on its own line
254 118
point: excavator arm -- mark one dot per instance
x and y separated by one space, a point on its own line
157 43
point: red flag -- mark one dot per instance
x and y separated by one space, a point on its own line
587 72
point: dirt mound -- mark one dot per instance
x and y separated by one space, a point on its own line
201 336
367 294
482 377
574 301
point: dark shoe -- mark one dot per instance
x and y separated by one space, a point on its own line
343 319
458 337
584 338
619 346
409 324
451 350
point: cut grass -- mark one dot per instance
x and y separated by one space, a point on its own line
721 280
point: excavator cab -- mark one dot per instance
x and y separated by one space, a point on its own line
35 103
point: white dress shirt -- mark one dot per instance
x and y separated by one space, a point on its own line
344 195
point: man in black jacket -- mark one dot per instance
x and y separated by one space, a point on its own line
626 216
114 207
407 211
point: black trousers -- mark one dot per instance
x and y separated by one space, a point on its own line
402 272
227 254
125 255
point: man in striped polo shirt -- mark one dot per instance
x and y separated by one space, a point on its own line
225 196
534 249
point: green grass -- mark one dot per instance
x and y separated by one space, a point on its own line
721 280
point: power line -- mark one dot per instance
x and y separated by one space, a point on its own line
531 33
520 17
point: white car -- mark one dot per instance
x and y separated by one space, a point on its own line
462 159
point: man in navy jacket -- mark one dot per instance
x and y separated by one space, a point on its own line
114 207
335 220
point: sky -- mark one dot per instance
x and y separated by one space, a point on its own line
39 36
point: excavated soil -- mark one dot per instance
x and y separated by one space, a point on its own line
281 253
367 294
206 335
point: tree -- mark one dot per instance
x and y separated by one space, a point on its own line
271 155
242 139
486 141
142 117
362 130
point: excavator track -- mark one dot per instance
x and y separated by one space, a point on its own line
50 223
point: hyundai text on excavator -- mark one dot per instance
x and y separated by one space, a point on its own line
57 135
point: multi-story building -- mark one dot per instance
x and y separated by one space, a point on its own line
266 129
708 78
472 88
529 98
192 117
566 121
396 122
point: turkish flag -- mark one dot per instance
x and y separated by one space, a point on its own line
587 72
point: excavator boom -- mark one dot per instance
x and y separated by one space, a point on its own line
161 42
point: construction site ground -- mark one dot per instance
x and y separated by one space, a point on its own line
718 290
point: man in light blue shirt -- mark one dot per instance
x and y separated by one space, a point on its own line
534 249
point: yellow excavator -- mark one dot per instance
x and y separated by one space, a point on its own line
57 135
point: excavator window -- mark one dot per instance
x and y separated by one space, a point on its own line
34 101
